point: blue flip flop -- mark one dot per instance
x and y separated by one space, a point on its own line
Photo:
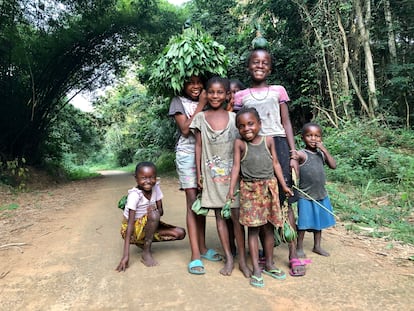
256 281
197 263
275 273
211 255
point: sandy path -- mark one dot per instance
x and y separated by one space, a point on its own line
73 247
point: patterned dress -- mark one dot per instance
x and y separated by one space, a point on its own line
216 160
259 195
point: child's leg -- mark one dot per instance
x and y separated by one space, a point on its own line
269 240
317 236
240 240
230 227
253 237
153 218
168 232
225 243
201 227
192 224
299 247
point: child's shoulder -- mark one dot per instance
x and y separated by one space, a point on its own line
135 191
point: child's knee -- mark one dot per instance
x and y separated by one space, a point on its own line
153 214
180 233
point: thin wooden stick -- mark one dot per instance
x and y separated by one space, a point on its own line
319 204
12 245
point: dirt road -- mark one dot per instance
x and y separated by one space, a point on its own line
72 245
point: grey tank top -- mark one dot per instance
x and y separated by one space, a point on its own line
312 176
257 162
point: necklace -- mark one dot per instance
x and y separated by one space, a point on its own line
260 99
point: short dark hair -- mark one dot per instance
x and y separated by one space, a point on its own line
237 82
216 79
244 110
308 125
145 164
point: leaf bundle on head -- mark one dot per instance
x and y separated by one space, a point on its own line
192 53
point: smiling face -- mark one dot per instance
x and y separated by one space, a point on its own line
260 64
312 135
146 177
193 87
248 125
216 95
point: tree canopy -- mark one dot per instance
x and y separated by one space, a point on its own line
50 48
339 60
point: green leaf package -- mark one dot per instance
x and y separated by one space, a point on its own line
192 53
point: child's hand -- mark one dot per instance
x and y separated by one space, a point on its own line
320 146
200 183
288 192
123 265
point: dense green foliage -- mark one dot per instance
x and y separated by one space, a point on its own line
49 49
192 53
372 185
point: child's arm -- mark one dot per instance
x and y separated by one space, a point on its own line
328 158
276 165
235 171
159 207
123 265
183 122
287 125
198 150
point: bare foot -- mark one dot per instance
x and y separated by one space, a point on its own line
320 251
228 267
148 260
245 270
300 253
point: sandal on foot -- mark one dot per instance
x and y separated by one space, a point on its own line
211 255
275 273
196 267
256 281
296 262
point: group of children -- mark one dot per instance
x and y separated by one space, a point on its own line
238 147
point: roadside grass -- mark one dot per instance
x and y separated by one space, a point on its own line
372 187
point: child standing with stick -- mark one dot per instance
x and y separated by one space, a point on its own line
256 161
215 132
314 206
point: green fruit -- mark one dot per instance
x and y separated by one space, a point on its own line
288 233
196 207
259 43
122 202
226 210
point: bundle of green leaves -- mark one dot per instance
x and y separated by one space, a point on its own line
192 53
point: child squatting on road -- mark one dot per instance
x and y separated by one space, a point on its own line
141 224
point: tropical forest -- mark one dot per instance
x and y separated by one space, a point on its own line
347 65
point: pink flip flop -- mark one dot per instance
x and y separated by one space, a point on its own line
296 262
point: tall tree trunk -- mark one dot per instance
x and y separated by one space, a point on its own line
307 17
390 29
345 65
363 26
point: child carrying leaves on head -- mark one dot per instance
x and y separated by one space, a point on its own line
256 162
142 213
